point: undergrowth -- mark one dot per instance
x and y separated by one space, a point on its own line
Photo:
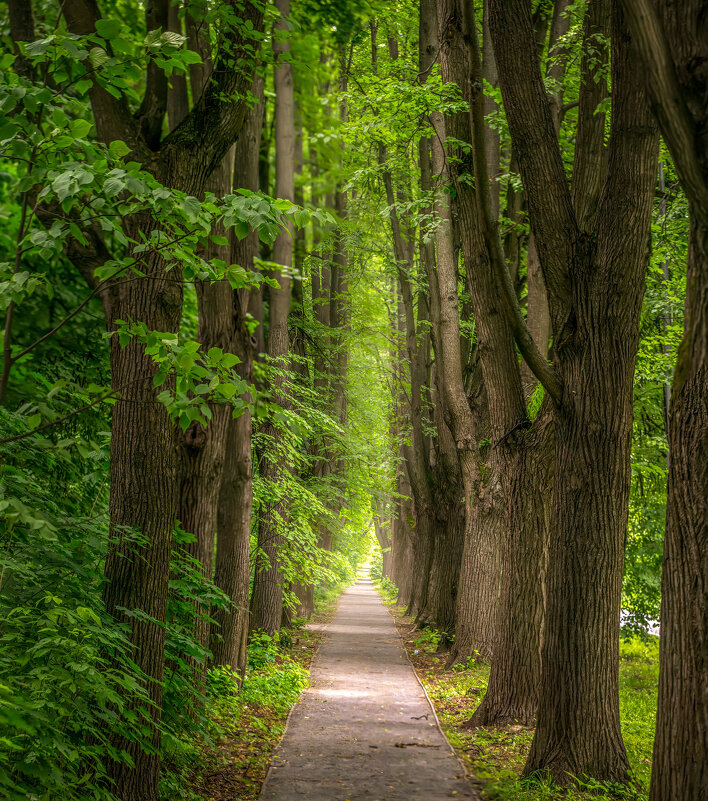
496 757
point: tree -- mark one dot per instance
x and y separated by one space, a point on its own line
595 284
236 492
517 465
669 53
267 598
143 456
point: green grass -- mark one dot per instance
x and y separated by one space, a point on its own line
496 757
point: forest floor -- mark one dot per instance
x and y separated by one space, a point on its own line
496 756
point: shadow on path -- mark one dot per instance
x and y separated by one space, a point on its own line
364 730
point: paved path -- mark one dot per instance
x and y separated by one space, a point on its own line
363 730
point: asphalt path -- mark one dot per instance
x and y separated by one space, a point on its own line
364 729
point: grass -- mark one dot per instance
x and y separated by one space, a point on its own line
496 757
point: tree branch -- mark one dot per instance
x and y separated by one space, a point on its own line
590 159
112 116
540 367
154 104
59 420
666 99
215 119
531 123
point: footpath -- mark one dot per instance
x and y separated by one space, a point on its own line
364 729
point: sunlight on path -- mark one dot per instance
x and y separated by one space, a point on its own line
363 730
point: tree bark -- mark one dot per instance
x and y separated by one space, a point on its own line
232 573
595 285
267 598
143 447
680 767
672 55
202 448
481 558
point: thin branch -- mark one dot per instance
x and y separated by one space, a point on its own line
59 419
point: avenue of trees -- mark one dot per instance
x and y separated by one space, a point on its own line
282 279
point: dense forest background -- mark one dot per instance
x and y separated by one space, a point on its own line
287 286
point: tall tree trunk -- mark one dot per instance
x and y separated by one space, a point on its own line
673 52
143 447
681 745
232 573
202 449
143 499
267 598
512 691
481 557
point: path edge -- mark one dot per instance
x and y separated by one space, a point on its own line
459 759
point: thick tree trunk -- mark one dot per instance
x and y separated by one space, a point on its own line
515 462
512 692
669 38
267 598
142 503
594 262
143 447
681 747
202 448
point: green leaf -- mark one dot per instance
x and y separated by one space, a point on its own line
118 148
230 360
79 128
108 28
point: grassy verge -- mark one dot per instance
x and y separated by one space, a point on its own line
496 756
248 724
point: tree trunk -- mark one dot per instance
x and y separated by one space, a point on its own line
673 55
478 590
681 745
447 535
594 261
233 541
142 504
233 546
267 598
512 692
202 448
